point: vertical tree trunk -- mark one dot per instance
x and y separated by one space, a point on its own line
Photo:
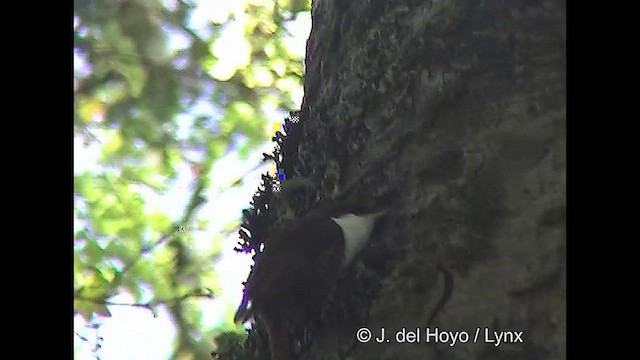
458 109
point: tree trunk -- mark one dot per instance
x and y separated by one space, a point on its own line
457 108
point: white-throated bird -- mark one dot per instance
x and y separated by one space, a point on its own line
299 265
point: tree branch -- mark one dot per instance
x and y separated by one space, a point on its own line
206 292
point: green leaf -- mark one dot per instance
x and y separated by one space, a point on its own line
88 309
125 253
158 221
112 145
94 251
133 285
92 294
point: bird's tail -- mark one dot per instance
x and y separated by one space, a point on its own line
278 336
244 311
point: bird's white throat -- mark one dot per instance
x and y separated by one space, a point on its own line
357 231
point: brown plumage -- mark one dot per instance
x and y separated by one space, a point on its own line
296 270
300 263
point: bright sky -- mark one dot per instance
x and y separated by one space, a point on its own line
133 333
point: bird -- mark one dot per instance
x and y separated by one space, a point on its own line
299 265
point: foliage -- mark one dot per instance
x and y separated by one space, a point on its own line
158 89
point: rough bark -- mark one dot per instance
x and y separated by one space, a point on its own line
457 109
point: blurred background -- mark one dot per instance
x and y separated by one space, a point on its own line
175 102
